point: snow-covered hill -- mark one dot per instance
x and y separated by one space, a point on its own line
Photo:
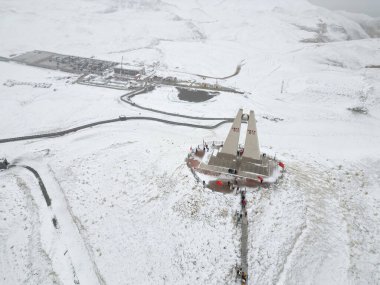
129 210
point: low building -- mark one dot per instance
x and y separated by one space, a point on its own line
128 70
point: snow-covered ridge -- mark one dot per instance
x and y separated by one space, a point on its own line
134 25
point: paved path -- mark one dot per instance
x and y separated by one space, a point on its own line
40 182
65 132
244 240
127 99
244 245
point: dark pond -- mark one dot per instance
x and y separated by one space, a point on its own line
194 95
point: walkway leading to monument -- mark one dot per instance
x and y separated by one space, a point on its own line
244 244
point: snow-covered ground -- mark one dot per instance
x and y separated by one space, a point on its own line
129 210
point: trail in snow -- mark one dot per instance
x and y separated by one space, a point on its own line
311 228
23 258
71 257
79 228
322 241
237 71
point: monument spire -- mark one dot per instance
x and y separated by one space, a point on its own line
251 146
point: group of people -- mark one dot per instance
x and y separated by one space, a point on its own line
205 147
238 214
242 274
239 217
234 185
243 200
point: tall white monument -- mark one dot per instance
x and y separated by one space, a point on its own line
226 157
251 161
251 146
232 141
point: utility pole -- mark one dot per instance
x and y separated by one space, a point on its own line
121 65
282 86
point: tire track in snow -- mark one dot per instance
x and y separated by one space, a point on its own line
297 240
358 185
81 230
295 244
38 263
298 231
35 248
76 222
322 241
275 216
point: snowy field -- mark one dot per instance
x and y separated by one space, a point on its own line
129 211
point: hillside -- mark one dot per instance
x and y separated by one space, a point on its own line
129 209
